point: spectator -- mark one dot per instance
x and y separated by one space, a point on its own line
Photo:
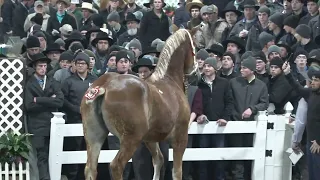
113 20
20 14
261 71
304 41
74 88
42 97
227 68
265 41
76 11
214 112
61 18
250 96
53 52
231 15
39 9
201 56
154 24
276 26
182 13
87 11
132 24
135 46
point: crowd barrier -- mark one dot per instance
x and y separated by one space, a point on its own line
272 136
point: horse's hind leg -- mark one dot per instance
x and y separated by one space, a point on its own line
157 158
128 146
95 135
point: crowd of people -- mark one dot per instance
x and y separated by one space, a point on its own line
250 53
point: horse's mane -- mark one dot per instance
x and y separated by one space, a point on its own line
172 43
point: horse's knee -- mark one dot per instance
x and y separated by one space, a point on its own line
90 174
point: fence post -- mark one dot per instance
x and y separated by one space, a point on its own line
259 144
56 145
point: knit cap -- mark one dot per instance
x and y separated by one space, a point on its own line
259 55
138 15
37 18
300 51
231 56
113 16
39 34
81 56
264 9
249 63
277 18
158 44
291 21
212 62
32 42
314 71
90 53
122 54
304 31
274 48
76 46
67 55
135 43
276 61
264 38
246 55
60 42
202 54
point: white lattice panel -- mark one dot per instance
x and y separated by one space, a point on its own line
11 95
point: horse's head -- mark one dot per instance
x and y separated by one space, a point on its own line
191 68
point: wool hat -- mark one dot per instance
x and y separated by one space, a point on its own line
158 44
264 38
231 56
90 53
202 54
259 55
81 56
97 19
249 63
274 48
40 34
135 43
113 16
277 18
314 56
314 71
246 55
67 55
122 54
291 21
276 61
300 51
212 62
264 9
37 18
60 42
76 46
304 31
32 42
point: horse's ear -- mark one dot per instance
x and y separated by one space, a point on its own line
194 30
174 28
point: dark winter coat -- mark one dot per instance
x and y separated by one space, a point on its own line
53 22
217 100
39 113
153 27
253 95
74 88
181 17
20 14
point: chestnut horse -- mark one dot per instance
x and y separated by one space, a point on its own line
137 110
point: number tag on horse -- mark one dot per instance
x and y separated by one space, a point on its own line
92 93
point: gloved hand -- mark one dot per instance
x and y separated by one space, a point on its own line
55 32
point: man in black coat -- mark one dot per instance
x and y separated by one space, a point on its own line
42 97
20 14
6 14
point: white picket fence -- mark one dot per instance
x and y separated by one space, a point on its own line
270 161
14 172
